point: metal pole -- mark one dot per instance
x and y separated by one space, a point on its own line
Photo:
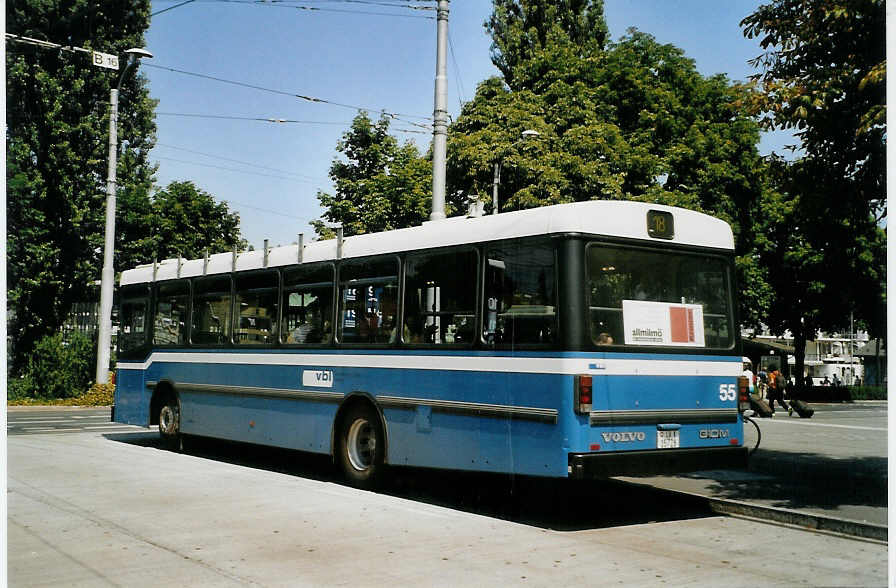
104 340
495 183
440 116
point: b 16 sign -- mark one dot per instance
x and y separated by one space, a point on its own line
105 60
663 323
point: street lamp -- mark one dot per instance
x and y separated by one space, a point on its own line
104 341
497 178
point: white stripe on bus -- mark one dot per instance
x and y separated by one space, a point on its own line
530 365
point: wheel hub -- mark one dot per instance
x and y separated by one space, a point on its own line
168 422
361 445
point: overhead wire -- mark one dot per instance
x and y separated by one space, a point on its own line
170 8
222 158
274 120
254 118
460 90
308 8
244 205
395 115
242 171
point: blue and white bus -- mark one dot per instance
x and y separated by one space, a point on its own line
579 340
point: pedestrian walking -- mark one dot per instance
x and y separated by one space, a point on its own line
748 373
762 386
776 389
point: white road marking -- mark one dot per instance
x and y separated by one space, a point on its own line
800 422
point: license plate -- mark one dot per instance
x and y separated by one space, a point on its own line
667 439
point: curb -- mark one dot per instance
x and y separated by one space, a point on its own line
811 522
807 521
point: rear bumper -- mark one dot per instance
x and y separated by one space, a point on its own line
655 462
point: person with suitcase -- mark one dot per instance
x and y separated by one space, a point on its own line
776 389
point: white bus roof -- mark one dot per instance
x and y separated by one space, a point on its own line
608 218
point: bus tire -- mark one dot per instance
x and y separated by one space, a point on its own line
169 423
361 446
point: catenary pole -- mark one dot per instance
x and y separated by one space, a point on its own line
104 340
440 115
107 283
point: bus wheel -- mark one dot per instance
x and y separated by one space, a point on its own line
361 446
169 423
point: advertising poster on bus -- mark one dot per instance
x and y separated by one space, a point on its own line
663 324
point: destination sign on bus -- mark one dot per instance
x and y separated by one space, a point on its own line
660 224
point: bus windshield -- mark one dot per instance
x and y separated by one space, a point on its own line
658 298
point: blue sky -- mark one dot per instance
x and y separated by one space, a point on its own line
352 55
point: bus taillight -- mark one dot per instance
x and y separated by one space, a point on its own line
743 393
583 394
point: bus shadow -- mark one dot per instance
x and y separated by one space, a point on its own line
557 504
809 480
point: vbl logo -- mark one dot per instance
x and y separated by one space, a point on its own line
317 378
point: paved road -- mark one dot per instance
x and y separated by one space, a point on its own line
96 509
34 420
833 465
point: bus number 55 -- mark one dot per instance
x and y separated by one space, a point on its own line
727 392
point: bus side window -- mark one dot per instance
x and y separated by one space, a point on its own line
256 299
439 299
307 305
520 295
211 312
133 322
368 300
170 316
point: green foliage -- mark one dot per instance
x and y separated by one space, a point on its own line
824 76
19 389
55 369
868 392
632 121
97 395
521 29
185 220
380 185
57 151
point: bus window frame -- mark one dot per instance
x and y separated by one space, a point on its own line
235 311
291 287
338 302
156 288
727 258
477 296
125 295
195 286
553 242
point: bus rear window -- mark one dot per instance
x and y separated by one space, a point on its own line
656 298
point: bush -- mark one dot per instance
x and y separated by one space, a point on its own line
56 369
98 395
868 392
18 389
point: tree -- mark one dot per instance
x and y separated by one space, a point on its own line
183 220
824 74
633 121
380 185
57 143
521 29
